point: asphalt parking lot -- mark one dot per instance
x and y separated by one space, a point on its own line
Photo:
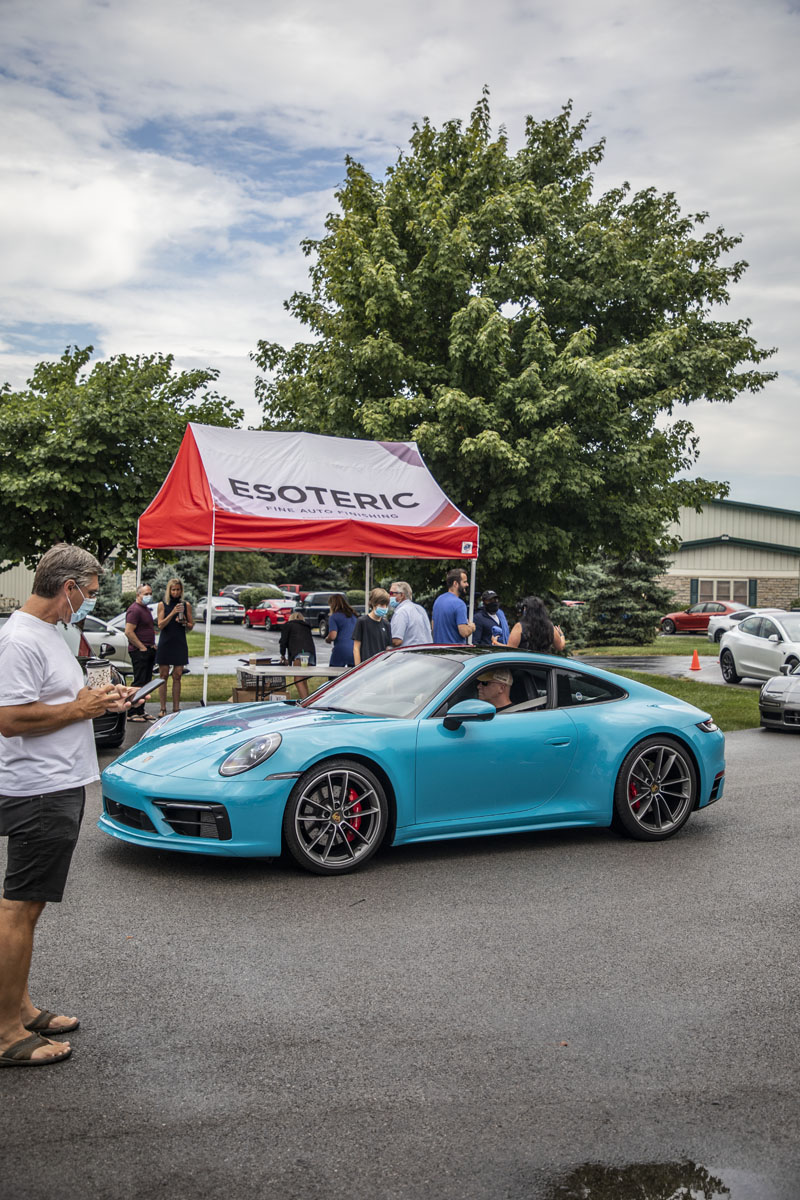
551 1015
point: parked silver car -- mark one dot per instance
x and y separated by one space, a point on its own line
220 608
759 646
721 624
779 702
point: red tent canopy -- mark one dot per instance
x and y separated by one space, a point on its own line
239 489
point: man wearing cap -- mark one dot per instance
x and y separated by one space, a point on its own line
494 686
488 619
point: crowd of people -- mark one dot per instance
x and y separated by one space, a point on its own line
171 654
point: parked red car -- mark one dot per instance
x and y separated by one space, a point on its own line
294 588
696 618
267 613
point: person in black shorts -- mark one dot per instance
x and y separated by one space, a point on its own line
372 634
47 756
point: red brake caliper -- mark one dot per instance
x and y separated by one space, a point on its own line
632 794
353 819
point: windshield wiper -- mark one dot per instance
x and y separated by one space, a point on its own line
332 708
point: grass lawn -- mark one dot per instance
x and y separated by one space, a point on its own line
731 707
220 687
678 644
219 645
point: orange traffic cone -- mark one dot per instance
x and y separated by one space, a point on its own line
695 663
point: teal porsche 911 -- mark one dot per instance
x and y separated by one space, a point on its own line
418 744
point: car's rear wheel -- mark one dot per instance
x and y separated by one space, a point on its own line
336 817
667 626
727 664
718 635
656 789
791 663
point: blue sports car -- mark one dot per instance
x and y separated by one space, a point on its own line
408 748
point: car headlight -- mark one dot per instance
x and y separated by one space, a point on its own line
256 751
708 726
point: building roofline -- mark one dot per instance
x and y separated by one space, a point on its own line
724 540
764 508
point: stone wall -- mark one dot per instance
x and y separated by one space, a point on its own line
774 591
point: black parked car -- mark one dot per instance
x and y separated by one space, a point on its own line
316 609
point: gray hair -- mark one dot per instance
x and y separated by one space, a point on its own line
401 586
60 563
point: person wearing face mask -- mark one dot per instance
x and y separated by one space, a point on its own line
47 757
372 634
489 619
410 623
141 634
451 623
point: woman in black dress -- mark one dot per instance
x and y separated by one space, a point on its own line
535 631
174 618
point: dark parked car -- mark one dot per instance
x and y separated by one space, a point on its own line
316 609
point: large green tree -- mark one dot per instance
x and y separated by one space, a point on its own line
83 452
535 340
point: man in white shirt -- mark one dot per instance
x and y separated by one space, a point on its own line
47 756
411 625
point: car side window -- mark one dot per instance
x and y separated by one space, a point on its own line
697 608
93 625
574 689
751 625
529 690
768 628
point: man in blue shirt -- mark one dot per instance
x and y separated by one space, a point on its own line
451 623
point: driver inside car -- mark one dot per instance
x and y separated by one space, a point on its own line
494 686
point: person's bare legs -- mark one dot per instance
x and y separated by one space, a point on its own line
301 684
176 688
163 671
17 924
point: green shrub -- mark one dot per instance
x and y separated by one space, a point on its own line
254 596
354 596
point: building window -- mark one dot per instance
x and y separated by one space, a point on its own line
737 590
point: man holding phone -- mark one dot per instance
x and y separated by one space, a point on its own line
47 756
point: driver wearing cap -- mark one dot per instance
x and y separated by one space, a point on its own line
494 686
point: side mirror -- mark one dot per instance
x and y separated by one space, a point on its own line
786 669
469 710
775 638
106 650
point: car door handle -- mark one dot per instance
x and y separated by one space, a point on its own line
558 741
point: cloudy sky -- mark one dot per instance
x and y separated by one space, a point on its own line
162 161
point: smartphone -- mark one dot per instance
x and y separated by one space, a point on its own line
145 690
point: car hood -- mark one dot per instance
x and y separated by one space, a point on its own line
215 732
787 685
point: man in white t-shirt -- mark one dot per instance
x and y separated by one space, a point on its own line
47 756
411 625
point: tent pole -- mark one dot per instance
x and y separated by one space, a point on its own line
138 568
206 656
366 582
472 569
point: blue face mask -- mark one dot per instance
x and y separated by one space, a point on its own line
382 610
393 602
83 611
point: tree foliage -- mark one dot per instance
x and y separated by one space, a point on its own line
82 453
536 341
623 600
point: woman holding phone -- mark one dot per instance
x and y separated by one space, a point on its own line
174 619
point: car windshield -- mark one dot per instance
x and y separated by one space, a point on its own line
791 624
396 684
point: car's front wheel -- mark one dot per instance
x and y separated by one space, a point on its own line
656 789
247 623
323 627
727 664
336 817
668 627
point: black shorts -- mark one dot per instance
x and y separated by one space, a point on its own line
42 832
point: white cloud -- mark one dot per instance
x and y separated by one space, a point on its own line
146 148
